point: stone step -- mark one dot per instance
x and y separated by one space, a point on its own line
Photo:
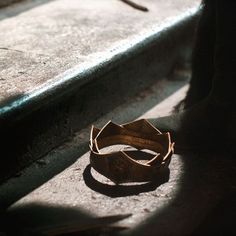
65 65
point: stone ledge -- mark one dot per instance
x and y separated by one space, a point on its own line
54 45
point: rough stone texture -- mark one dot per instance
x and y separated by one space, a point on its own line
184 205
39 44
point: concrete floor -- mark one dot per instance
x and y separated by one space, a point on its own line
196 199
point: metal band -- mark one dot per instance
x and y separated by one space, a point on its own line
119 166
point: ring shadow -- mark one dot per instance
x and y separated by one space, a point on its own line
123 190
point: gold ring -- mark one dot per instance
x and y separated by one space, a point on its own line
119 166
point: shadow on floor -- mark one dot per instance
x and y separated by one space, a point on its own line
123 190
204 205
42 219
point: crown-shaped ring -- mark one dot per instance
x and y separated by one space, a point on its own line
119 166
